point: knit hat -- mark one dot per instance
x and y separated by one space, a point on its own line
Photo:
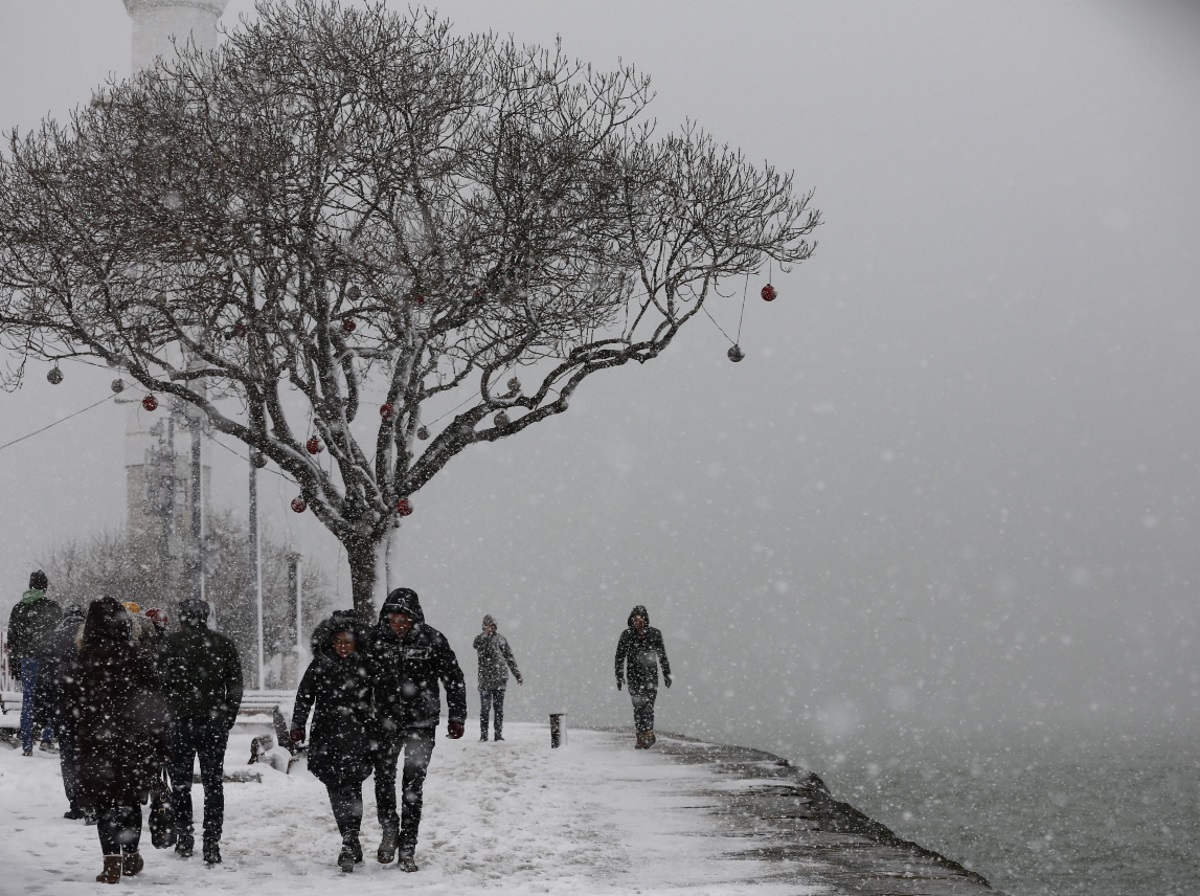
488 620
38 581
193 610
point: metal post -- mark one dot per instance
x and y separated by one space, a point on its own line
256 562
558 728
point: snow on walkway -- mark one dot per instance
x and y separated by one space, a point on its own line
592 817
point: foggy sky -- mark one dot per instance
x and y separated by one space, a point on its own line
955 481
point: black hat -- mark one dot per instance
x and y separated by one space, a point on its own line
193 609
402 600
38 581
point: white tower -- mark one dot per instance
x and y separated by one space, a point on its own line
155 22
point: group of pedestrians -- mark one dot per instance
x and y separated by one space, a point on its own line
130 698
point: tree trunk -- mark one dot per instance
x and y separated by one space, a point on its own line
361 556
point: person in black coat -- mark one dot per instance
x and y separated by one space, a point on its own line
62 647
118 720
407 658
639 651
340 743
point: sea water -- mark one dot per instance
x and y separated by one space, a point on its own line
1063 815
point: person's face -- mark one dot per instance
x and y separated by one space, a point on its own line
400 624
489 628
639 622
343 644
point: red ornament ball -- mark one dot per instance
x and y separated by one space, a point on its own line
404 507
348 325
314 446
420 300
150 403
299 505
768 293
387 411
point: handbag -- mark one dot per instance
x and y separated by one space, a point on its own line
162 831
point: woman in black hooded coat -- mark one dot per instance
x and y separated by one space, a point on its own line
118 715
340 743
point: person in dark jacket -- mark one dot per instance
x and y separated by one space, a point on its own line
118 718
62 648
202 675
495 659
639 651
407 658
340 743
30 625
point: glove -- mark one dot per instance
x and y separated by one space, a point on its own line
619 683
667 680
520 680
454 729
297 734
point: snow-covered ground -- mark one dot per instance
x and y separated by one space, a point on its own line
592 817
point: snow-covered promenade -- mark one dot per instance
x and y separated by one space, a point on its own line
592 817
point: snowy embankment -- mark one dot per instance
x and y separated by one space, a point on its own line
592 817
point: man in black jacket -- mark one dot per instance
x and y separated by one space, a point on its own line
639 651
407 659
30 626
202 677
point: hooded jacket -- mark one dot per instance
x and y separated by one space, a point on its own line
116 710
638 656
201 673
61 649
30 625
340 743
495 659
405 672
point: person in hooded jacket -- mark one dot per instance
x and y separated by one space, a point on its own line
639 651
118 718
407 658
30 625
202 676
340 743
495 659
62 647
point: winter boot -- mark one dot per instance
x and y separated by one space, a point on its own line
73 813
112 870
406 862
351 853
132 863
212 852
387 846
184 846
641 741
650 738
346 859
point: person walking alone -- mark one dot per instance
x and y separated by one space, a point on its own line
339 748
30 626
495 659
407 659
119 732
202 676
639 651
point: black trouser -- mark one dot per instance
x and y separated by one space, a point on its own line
643 707
489 698
347 803
206 739
417 746
119 827
66 761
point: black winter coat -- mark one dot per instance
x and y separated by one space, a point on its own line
61 649
30 625
116 708
202 674
340 745
638 656
405 674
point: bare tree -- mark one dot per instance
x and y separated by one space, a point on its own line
345 233
112 564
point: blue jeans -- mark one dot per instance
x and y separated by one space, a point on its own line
487 699
206 739
29 674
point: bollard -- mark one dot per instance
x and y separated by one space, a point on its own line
558 728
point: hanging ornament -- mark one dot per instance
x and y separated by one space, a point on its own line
299 504
54 376
117 385
501 419
240 328
387 411
314 446
735 353
348 325
514 385
768 293
353 292
420 300
150 403
403 507
422 433
258 459
478 292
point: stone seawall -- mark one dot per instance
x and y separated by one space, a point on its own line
815 837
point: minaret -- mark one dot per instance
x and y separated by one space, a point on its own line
165 492
155 22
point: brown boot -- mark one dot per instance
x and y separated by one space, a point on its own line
641 741
649 738
131 863
112 871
